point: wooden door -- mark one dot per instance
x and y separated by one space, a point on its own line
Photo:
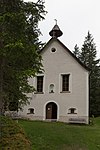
49 111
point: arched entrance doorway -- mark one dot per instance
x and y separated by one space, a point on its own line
51 111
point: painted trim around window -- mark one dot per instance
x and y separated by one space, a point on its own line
35 84
70 82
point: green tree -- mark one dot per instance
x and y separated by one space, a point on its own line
76 51
19 45
97 108
88 57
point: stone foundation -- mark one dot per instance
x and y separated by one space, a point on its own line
67 119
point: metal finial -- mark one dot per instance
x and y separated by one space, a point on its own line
55 21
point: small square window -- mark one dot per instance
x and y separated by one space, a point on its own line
72 111
30 111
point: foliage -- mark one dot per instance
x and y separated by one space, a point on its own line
19 45
76 51
12 135
87 56
61 136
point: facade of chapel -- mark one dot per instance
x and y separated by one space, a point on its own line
62 90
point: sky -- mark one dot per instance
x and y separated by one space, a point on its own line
75 18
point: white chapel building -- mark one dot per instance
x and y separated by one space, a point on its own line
62 90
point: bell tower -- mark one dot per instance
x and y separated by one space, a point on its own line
55 32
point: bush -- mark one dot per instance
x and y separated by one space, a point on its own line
12 136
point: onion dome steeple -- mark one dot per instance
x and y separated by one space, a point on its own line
55 32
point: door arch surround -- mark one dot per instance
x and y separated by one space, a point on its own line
51 111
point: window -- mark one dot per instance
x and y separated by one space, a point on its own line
30 111
65 82
72 111
40 84
13 106
53 50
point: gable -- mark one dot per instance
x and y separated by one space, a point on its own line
56 52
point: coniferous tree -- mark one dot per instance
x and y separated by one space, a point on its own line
97 108
19 43
88 57
76 51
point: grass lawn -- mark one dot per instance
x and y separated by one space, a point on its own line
61 136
